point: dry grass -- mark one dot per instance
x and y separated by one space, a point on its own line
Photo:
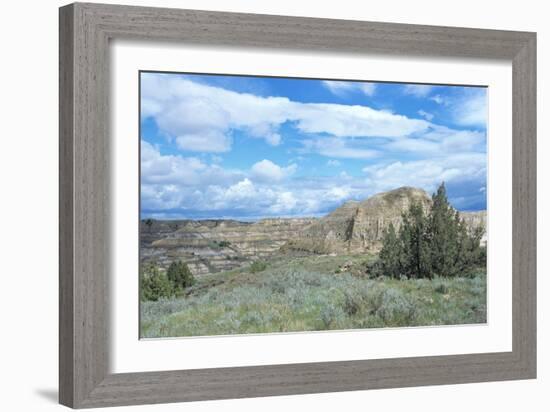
307 294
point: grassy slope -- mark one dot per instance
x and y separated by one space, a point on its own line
305 294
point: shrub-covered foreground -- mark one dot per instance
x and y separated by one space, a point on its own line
307 294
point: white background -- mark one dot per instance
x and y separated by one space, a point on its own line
28 206
132 355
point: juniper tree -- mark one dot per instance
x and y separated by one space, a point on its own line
416 244
443 231
437 243
391 254
154 284
149 223
470 253
180 276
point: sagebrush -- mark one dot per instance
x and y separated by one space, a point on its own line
306 294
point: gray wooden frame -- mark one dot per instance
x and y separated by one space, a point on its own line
85 31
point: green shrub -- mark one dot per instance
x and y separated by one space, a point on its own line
353 302
396 309
154 284
218 244
330 315
180 276
257 266
213 244
442 288
374 268
148 223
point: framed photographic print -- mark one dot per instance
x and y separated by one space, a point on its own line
242 196
282 204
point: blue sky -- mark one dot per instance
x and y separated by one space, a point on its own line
248 147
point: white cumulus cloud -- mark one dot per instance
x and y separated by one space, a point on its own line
210 141
471 109
427 173
201 117
266 170
342 88
240 191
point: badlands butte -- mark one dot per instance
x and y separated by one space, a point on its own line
210 246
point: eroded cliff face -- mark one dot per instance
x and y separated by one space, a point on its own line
476 219
210 246
359 226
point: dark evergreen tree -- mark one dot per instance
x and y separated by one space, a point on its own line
154 284
149 223
391 255
471 253
443 232
416 247
435 244
180 276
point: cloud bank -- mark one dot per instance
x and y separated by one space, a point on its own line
316 156
200 117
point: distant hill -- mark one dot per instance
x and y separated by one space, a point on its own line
359 226
214 245
210 246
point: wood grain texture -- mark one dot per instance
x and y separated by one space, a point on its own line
524 207
84 91
85 31
66 109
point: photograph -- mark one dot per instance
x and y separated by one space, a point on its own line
285 205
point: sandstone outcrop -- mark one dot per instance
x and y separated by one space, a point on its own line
359 226
209 246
